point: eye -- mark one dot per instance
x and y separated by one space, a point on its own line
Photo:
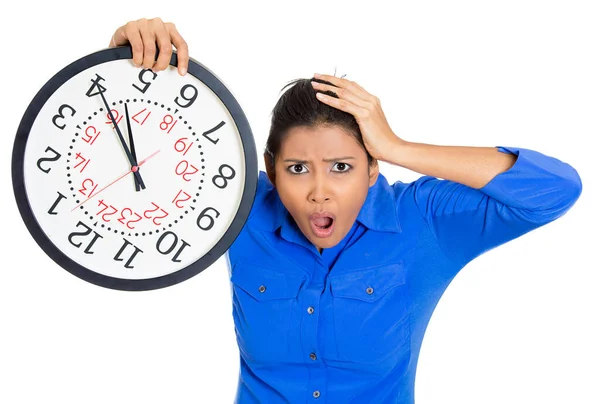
340 167
296 169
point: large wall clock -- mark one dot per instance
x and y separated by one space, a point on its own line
131 179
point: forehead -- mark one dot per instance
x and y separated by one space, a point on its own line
321 140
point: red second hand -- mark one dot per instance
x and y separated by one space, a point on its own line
132 170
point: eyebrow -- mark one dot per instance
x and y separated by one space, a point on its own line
325 160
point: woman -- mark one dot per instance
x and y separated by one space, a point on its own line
336 273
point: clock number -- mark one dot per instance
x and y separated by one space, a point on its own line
204 214
115 115
43 159
83 161
146 83
134 118
181 146
164 125
223 176
90 138
112 209
84 233
55 204
175 241
208 132
96 88
129 222
177 200
190 100
182 169
156 207
84 189
131 257
61 115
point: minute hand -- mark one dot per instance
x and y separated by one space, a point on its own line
132 161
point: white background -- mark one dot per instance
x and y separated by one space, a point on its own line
518 325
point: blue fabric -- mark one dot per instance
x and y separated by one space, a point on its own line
373 293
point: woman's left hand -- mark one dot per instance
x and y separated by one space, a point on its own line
377 135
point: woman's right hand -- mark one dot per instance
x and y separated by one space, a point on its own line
143 35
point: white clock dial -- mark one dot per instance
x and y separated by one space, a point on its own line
147 202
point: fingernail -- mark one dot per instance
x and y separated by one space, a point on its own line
317 75
182 71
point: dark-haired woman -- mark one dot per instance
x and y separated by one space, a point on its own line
336 272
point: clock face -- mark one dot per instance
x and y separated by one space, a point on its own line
132 179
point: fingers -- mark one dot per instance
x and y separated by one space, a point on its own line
350 86
183 56
357 111
118 37
163 41
149 39
342 93
144 36
351 97
131 33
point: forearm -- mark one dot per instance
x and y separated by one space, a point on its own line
467 165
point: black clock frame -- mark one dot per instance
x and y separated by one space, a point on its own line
250 182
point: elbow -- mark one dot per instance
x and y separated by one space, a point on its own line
567 192
553 201
573 187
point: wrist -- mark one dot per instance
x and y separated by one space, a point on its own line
395 150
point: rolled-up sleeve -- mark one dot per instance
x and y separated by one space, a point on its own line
466 221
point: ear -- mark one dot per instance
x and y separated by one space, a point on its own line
269 168
373 172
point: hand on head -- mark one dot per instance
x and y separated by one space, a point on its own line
144 35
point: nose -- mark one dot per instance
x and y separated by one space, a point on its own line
320 191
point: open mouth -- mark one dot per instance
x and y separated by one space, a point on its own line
322 224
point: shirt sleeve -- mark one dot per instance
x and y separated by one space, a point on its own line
466 221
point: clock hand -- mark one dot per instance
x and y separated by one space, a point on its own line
131 144
133 169
136 174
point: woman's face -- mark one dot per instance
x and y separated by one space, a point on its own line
322 170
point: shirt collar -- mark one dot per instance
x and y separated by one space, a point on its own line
378 212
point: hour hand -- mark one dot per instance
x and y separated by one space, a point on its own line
132 162
131 145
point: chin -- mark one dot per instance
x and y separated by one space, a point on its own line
331 242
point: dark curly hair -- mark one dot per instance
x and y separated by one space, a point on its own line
298 106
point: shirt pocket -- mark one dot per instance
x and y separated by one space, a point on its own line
370 316
263 306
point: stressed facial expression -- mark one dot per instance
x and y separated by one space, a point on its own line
322 177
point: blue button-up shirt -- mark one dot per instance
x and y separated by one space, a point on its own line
346 326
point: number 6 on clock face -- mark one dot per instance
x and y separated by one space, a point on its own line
131 179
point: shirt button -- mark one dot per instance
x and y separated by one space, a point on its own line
316 394
369 290
310 310
313 356
262 288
